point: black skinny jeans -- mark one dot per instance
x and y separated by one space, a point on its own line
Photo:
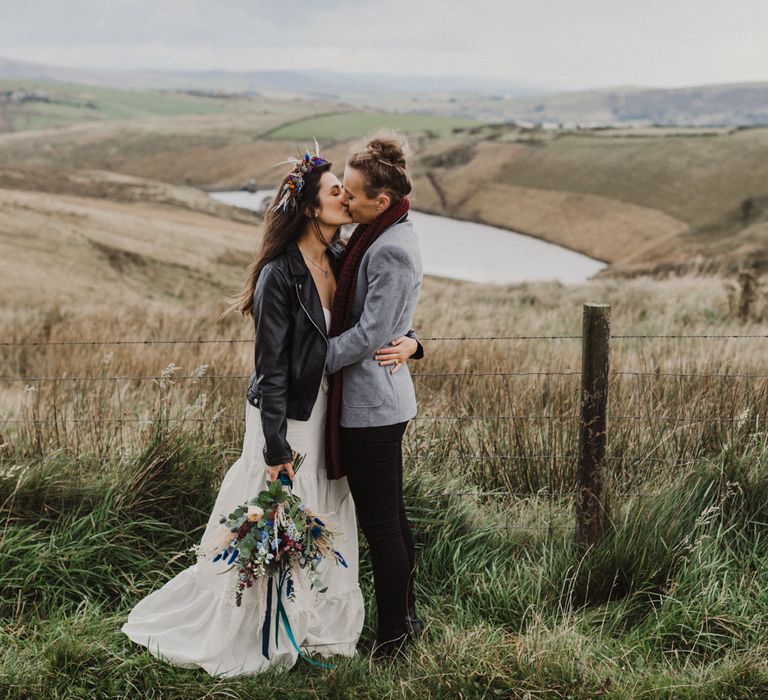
373 460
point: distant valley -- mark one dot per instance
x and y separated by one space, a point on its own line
459 96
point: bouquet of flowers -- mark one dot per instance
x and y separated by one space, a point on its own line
270 534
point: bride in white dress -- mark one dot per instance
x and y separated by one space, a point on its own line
192 621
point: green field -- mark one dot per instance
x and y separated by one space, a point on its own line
672 606
349 125
73 104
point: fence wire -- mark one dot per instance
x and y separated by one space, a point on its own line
503 373
551 458
459 338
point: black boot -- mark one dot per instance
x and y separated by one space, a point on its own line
412 623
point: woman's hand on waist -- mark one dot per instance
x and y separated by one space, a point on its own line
397 352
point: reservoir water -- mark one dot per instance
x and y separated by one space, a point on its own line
474 252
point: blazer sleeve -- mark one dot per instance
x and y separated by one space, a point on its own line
420 349
271 309
391 277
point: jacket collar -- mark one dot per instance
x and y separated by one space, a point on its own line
296 263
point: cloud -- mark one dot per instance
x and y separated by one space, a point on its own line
555 42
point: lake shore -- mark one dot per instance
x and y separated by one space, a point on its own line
687 204
471 252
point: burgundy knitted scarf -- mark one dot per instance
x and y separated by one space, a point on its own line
360 240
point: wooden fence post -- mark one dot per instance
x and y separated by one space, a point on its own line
592 507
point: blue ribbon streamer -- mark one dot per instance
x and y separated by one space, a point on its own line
267 620
281 614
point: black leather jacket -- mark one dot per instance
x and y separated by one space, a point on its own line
289 348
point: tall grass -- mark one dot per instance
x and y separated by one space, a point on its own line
671 604
504 413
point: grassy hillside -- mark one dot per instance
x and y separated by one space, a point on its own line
214 151
651 200
351 125
693 178
671 605
636 201
734 104
207 151
117 187
729 104
68 104
508 611
82 252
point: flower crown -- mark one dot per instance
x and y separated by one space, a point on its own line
291 190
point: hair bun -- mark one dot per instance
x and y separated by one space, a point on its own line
389 149
382 161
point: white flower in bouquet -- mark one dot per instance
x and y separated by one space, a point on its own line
254 513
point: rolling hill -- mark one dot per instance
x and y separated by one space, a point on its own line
473 97
653 200
306 83
738 104
26 105
82 252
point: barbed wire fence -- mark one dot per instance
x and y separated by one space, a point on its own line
590 461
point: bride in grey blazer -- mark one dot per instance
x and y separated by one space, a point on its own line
383 285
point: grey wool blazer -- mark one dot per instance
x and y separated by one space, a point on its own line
386 293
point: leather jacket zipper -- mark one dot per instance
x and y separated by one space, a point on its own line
325 337
309 316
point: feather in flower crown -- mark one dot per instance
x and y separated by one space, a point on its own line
291 190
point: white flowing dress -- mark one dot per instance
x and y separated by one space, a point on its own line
192 620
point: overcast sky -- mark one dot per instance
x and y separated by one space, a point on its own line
551 43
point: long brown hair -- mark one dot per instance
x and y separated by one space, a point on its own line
382 161
280 230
